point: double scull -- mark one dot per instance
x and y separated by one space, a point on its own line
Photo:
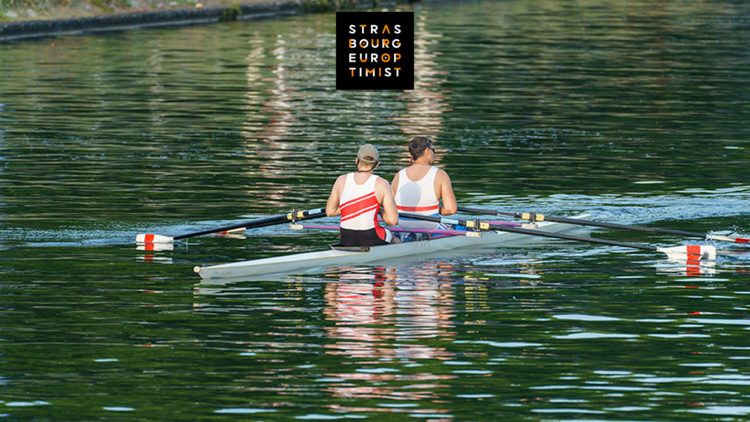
341 256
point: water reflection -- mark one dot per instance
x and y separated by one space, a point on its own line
269 100
384 313
384 320
426 103
547 106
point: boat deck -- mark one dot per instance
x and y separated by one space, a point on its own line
373 255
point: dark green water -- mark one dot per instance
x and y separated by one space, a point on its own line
634 112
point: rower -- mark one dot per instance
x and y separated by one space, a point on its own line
358 198
419 188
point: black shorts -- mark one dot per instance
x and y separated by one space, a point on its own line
360 238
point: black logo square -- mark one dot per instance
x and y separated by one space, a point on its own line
374 50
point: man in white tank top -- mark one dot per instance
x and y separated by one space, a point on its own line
421 187
358 198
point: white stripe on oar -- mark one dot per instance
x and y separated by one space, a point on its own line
727 238
233 231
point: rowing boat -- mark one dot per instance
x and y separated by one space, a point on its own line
342 256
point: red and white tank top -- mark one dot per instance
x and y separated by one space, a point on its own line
417 197
359 205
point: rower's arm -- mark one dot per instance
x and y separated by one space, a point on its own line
388 204
332 206
450 206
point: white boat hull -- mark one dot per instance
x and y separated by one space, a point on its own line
371 255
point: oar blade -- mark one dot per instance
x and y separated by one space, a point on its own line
727 238
153 238
690 252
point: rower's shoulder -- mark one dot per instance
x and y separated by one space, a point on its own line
341 180
441 173
381 180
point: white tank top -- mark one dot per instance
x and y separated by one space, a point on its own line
417 197
359 204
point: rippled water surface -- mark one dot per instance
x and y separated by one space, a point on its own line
633 112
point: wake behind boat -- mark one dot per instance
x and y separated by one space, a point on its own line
342 256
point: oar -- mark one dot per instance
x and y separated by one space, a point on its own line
263 222
394 229
689 252
541 217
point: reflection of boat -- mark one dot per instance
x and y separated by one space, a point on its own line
386 313
338 256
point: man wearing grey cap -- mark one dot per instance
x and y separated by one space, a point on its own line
359 197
